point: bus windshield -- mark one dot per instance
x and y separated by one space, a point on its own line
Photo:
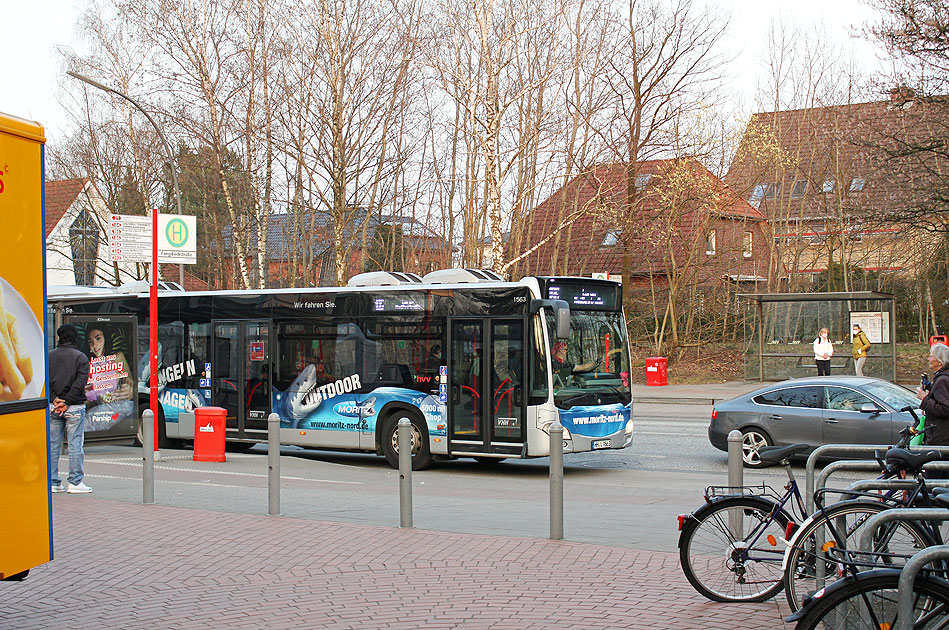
592 366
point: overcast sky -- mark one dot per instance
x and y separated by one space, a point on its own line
31 29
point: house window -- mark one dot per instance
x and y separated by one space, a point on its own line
611 238
772 190
642 181
84 244
857 184
746 238
710 243
800 187
828 186
756 194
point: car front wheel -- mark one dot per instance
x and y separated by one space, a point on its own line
753 440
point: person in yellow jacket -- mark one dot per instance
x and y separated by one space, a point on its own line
860 346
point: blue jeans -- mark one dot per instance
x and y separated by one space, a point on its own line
71 423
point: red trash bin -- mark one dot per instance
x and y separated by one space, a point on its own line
656 371
209 424
943 339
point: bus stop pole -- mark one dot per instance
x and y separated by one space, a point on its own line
405 472
273 465
148 458
556 481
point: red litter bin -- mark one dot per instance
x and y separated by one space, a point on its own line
209 423
656 371
943 339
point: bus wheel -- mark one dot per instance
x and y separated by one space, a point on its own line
163 440
421 454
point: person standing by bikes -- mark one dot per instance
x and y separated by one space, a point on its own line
935 400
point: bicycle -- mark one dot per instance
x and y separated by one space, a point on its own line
808 560
722 562
868 599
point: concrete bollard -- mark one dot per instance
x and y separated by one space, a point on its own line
556 481
736 475
148 457
405 472
273 465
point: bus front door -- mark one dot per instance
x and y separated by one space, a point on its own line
241 376
486 388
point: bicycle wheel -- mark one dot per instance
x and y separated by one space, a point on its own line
726 567
807 563
869 601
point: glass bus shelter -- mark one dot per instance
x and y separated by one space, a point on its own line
785 326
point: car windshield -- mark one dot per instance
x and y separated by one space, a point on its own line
893 395
592 366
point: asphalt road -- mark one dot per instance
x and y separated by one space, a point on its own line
626 498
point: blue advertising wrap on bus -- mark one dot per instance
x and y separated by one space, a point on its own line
598 421
176 401
352 412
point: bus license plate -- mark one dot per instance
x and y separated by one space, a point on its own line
602 444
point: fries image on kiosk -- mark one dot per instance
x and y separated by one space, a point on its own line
16 367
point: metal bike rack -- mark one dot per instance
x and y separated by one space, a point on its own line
856 449
902 514
905 600
823 451
893 484
843 464
911 569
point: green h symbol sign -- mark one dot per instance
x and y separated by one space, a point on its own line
176 233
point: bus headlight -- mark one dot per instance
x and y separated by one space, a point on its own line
545 427
629 427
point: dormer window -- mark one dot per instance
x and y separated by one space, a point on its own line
757 193
829 185
800 187
84 246
611 238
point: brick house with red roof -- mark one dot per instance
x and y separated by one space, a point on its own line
77 246
822 178
687 226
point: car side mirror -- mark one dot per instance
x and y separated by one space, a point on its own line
869 408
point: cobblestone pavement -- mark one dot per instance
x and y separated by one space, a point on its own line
120 565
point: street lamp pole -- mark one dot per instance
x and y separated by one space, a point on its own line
164 142
153 289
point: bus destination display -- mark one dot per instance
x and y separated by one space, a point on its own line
584 296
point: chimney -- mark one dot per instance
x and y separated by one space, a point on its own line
901 95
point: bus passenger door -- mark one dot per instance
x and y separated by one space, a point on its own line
257 377
225 373
486 388
240 376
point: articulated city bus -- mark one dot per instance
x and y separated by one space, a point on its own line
481 367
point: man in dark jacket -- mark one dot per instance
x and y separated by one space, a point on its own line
68 373
935 402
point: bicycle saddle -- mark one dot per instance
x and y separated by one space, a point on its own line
776 454
910 462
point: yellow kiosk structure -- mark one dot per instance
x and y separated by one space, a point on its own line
26 538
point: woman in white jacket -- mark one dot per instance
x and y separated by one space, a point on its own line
823 351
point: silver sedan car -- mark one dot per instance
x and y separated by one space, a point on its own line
815 411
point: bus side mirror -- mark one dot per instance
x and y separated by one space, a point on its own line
561 311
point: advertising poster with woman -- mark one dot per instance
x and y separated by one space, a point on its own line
110 391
